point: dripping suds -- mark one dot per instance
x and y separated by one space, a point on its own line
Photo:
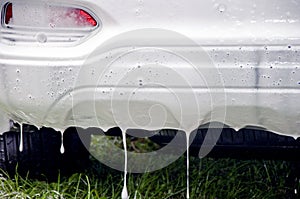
295 137
124 191
187 167
62 148
21 138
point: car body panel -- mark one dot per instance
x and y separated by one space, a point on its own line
162 64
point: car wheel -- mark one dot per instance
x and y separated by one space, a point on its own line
242 144
41 156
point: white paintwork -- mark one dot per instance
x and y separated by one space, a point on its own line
4 122
257 84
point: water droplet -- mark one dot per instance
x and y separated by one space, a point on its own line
18 71
124 193
62 148
41 38
222 8
137 12
141 82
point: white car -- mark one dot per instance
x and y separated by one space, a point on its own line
145 64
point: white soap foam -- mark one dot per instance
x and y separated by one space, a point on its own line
21 138
125 191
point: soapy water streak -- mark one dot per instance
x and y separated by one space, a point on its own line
149 76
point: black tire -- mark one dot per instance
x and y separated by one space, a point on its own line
242 144
41 157
76 157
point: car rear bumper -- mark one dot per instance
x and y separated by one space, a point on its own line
169 76
145 96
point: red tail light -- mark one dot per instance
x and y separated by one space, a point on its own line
24 21
8 13
88 17
27 15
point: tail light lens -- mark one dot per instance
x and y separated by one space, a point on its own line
26 17
8 13
43 16
87 17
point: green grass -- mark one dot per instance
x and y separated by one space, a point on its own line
209 179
